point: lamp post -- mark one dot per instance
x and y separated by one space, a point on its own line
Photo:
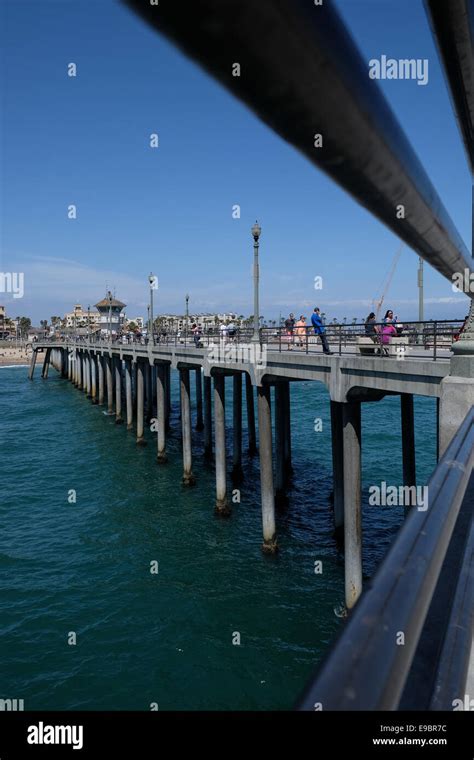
148 323
88 323
110 317
421 310
152 283
256 231
186 322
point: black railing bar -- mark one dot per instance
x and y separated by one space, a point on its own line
452 24
310 72
454 659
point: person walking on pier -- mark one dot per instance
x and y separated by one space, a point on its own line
231 331
320 330
290 327
371 329
300 331
223 331
196 330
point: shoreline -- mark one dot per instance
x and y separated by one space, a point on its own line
17 357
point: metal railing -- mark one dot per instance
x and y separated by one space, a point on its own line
366 669
411 340
431 339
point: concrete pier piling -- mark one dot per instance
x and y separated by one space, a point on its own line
101 379
185 395
199 419
47 359
110 384
168 396
128 393
87 360
161 412
207 418
134 383
93 358
337 468
81 375
222 506
80 382
287 439
118 391
252 435
237 472
91 375
153 390
141 370
31 372
266 470
280 447
148 399
351 418
408 439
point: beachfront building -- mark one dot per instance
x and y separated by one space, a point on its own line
177 323
80 317
8 326
111 320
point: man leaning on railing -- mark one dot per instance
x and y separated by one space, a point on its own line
320 330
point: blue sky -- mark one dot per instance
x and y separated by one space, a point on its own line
85 141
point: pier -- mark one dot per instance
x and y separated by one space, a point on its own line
128 374
407 643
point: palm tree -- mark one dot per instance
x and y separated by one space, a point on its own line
25 324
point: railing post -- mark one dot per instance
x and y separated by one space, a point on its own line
340 340
434 341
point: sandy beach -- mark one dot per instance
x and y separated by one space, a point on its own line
12 356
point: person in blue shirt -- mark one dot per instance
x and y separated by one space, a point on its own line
320 330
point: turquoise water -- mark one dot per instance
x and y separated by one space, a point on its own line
167 637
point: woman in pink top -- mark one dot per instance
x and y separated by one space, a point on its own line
388 331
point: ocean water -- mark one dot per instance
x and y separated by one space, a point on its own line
167 638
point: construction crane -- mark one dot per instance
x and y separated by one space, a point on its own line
386 284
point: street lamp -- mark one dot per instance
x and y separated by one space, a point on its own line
152 282
421 314
256 231
186 323
110 317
